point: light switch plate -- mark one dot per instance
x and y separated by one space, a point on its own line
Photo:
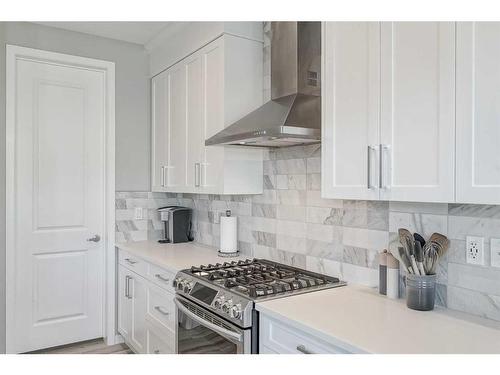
475 250
495 252
139 213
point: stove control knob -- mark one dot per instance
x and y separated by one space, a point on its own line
235 311
219 302
180 284
188 286
175 282
226 306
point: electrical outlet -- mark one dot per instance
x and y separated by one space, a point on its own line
139 213
495 252
475 250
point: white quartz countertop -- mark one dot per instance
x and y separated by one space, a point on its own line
362 318
174 257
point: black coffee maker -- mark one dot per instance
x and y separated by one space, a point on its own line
177 222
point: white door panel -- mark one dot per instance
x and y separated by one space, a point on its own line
176 171
213 63
351 87
478 112
59 202
417 111
195 111
159 131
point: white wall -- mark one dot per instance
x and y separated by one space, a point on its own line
132 109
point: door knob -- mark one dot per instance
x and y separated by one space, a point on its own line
96 238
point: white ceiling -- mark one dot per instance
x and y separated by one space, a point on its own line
134 32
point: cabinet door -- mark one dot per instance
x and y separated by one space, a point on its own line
417 111
350 103
213 156
195 113
138 290
159 130
176 168
124 304
478 112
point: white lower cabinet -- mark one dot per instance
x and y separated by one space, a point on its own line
277 337
146 310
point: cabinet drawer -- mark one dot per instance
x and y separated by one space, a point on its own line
133 263
160 343
161 277
281 338
161 308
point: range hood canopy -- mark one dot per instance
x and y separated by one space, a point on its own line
293 115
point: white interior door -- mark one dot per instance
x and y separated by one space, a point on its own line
58 205
478 112
351 91
418 111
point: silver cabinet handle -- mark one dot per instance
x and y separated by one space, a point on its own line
96 238
302 349
158 276
162 311
130 261
369 168
127 287
381 182
163 176
197 176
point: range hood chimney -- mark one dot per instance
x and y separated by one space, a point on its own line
293 115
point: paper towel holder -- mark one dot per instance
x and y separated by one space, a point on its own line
225 254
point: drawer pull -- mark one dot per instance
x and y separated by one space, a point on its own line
130 261
164 279
162 311
302 349
157 351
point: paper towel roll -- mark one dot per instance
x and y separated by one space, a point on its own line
228 234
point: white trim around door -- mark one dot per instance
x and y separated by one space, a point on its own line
14 54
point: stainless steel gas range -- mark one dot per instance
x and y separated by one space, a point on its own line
215 304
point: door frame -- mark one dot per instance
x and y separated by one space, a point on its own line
13 53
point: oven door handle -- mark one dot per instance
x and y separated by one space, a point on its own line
222 331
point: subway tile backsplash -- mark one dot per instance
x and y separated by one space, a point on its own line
291 223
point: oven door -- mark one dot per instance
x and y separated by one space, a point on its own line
199 331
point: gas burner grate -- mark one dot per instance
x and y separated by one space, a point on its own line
259 278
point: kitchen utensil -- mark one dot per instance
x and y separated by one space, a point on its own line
405 260
382 272
442 243
420 239
414 265
431 258
419 257
406 240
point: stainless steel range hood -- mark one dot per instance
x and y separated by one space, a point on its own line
293 115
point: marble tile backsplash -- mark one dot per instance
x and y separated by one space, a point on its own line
291 223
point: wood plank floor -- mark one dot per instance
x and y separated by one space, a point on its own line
87 347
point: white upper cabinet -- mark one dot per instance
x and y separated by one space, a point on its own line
478 112
417 130
196 98
351 87
388 111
